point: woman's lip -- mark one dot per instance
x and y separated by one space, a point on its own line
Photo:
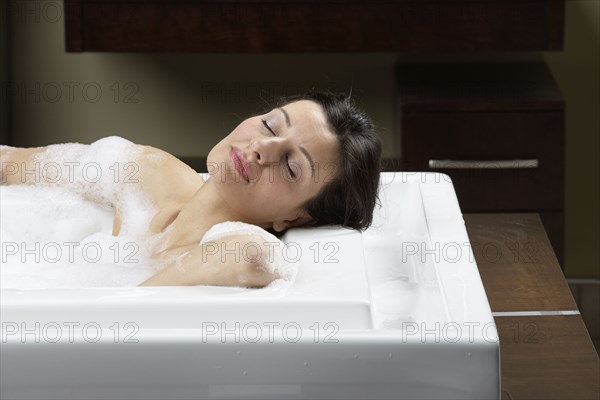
241 166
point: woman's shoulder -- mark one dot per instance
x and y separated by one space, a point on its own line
155 156
137 152
236 229
143 152
256 244
163 177
146 158
166 178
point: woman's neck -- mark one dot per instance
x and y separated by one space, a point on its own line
205 209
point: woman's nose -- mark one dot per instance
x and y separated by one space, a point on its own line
268 150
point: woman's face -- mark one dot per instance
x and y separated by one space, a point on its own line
269 165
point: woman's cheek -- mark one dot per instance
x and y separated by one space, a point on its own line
275 184
246 129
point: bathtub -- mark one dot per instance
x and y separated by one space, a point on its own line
398 311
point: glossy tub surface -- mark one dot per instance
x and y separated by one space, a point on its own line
397 311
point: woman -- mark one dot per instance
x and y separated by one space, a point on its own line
313 159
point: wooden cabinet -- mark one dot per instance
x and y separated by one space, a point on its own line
545 349
496 129
250 26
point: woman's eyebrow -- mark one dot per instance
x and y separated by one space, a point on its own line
287 116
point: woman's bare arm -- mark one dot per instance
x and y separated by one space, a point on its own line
81 165
238 260
18 166
74 166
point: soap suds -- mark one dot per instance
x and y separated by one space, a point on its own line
102 172
51 238
56 231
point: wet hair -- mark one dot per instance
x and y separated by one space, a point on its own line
349 197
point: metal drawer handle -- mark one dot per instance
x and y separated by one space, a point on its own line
494 164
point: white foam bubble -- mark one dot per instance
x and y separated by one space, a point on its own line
106 171
34 214
51 238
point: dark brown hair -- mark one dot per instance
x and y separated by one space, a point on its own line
350 198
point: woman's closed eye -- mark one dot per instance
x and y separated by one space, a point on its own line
264 122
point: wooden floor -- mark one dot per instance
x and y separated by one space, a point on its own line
545 349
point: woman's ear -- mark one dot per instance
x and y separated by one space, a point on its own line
303 219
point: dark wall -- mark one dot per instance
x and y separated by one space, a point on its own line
5 109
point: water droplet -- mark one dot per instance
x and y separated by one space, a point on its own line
245 373
356 356
238 352
390 355
468 354
305 363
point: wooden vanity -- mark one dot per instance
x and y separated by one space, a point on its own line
268 26
545 349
